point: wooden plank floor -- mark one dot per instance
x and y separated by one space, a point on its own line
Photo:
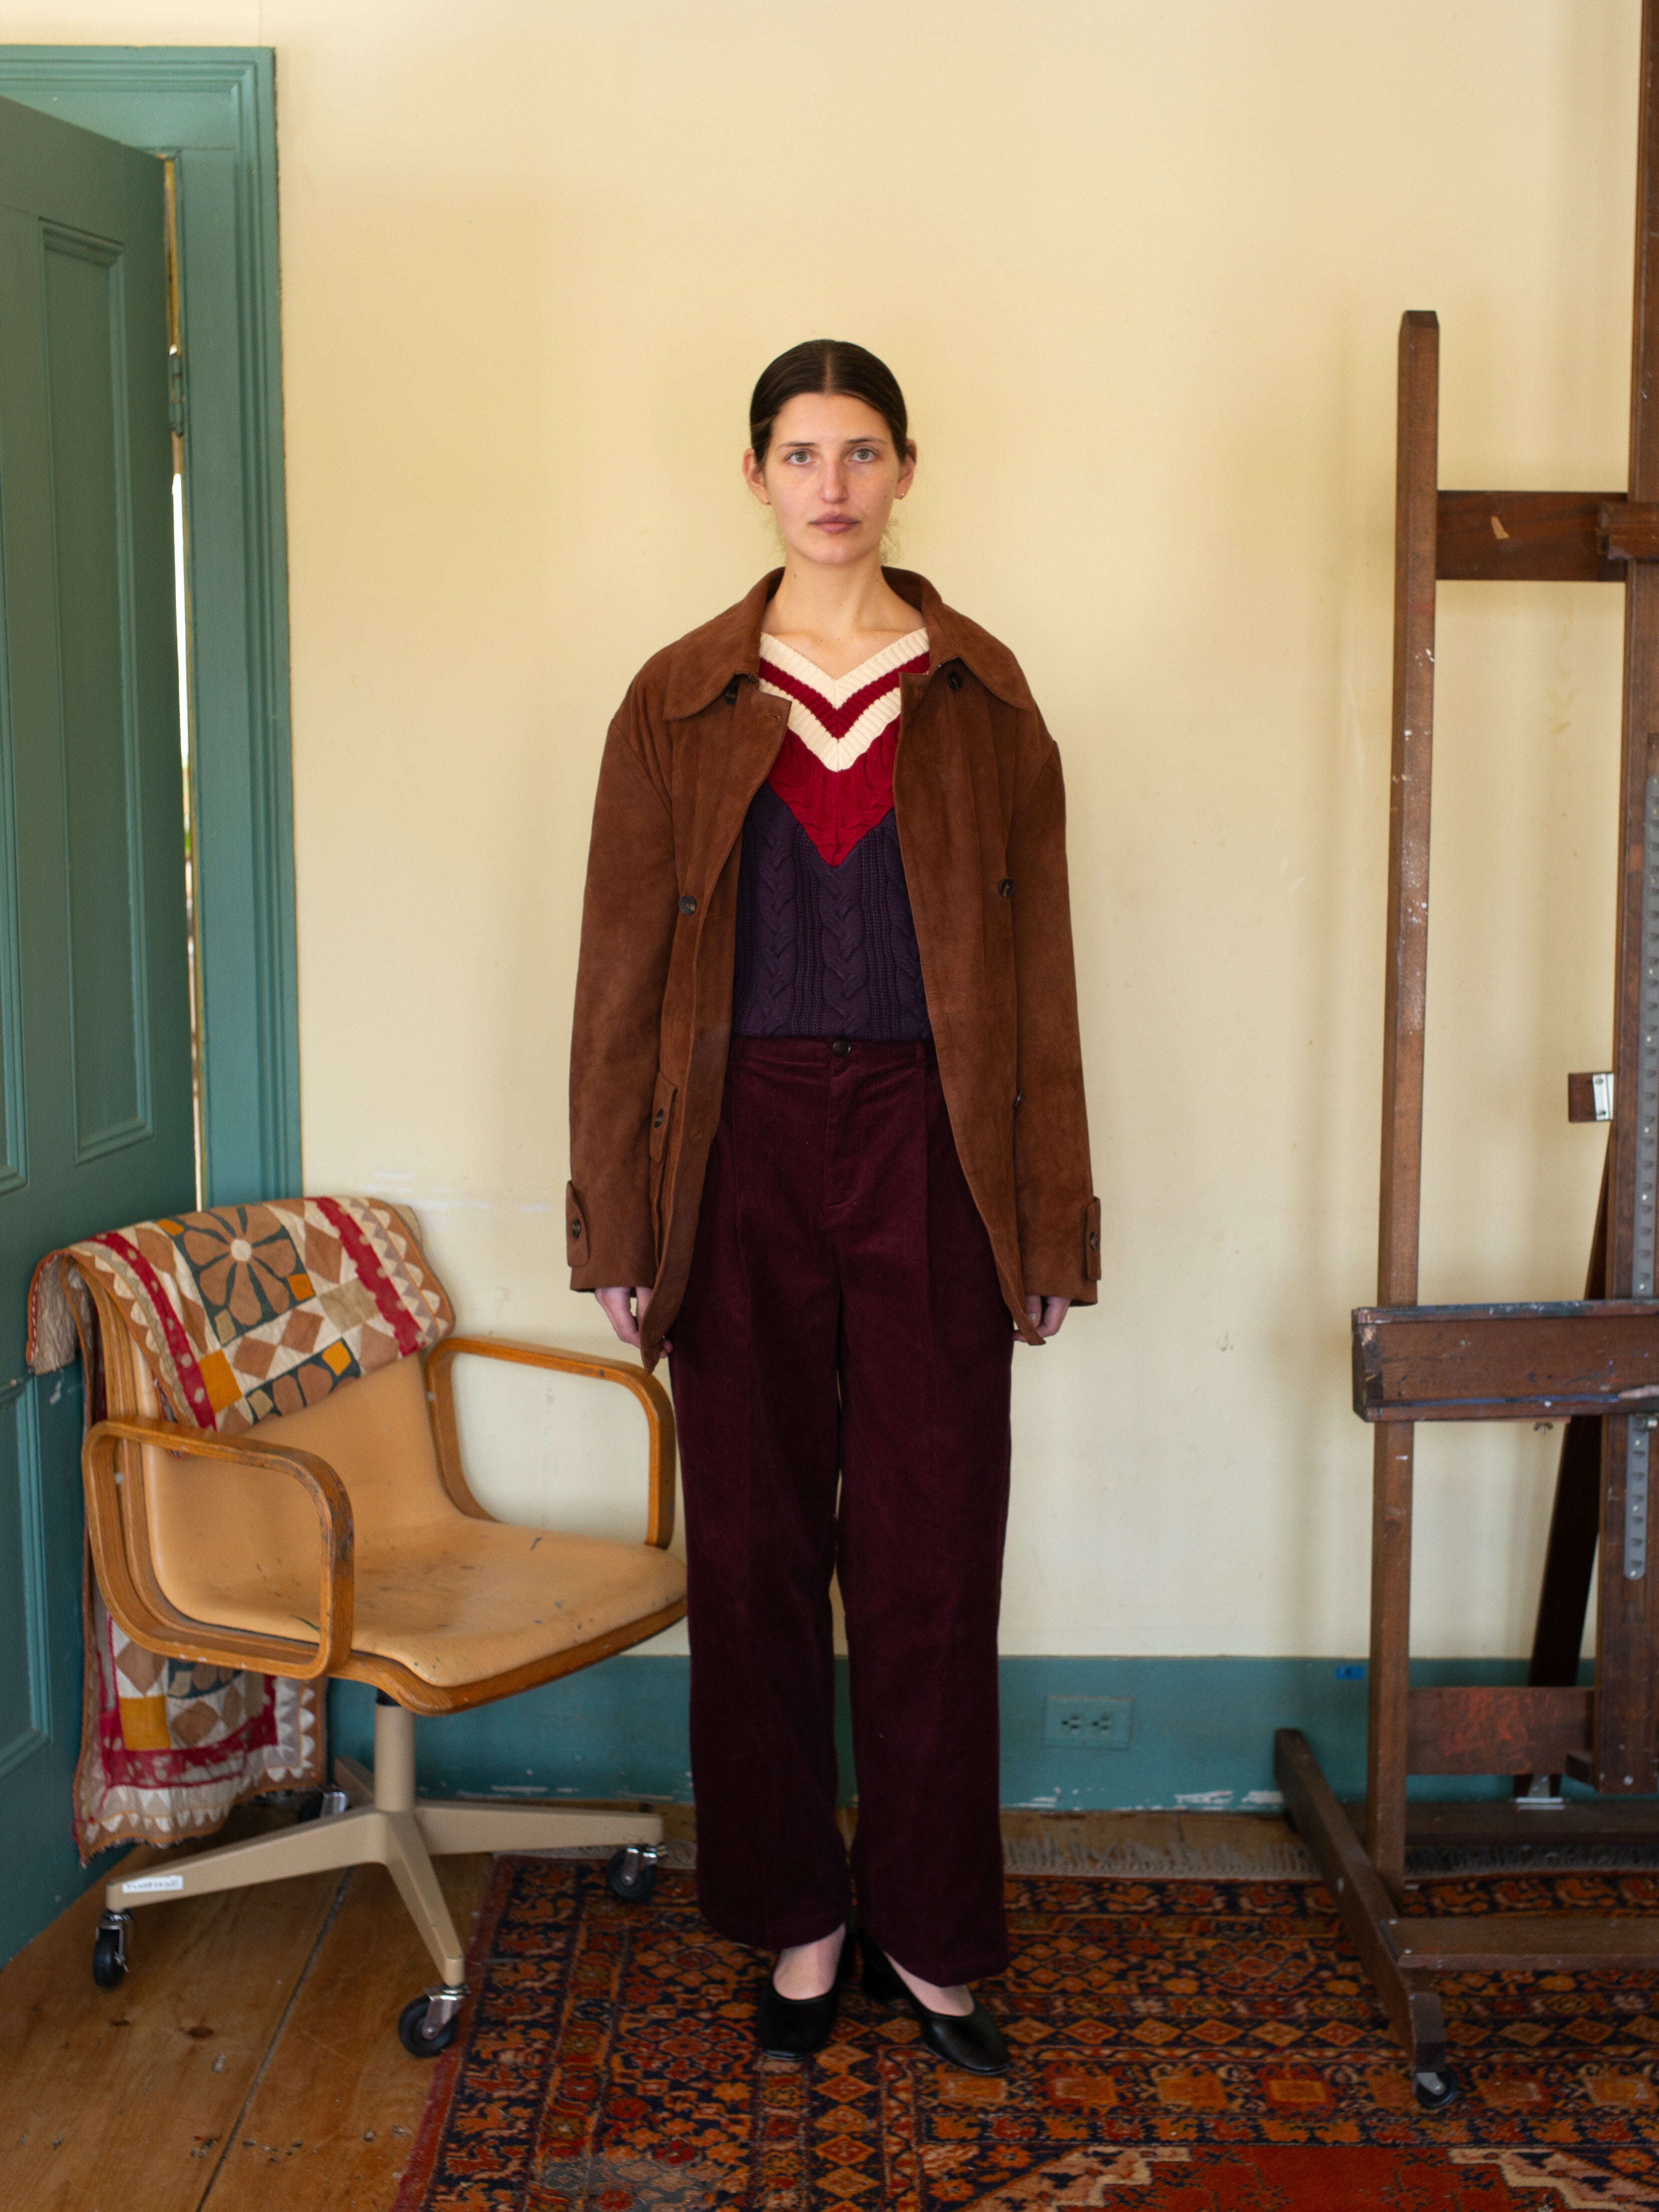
251 2057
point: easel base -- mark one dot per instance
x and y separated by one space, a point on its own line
1401 1954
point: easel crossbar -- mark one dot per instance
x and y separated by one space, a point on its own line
1505 1363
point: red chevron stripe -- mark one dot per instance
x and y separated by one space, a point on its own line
837 721
836 808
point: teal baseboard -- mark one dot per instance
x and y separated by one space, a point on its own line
1200 1733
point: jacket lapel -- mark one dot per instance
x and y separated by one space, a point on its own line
741 746
736 753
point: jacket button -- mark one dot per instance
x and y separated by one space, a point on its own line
1005 888
688 904
1019 1097
575 1229
953 678
732 692
656 1119
1094 1240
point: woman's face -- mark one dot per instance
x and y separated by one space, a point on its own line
830 476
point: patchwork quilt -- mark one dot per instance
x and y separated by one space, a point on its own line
241 1312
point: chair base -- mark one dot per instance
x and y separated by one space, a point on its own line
386 1824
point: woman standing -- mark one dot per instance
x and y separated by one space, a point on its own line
828 1124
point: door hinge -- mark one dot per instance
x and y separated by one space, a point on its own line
176 392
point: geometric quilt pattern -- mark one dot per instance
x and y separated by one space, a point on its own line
241 1312
169 1747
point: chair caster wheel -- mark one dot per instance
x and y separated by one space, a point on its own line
1434 2091
109 1951
430 2022
631 1872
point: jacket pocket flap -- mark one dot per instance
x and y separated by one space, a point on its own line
1091 1241
662 1112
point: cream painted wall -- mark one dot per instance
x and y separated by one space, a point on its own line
1140 269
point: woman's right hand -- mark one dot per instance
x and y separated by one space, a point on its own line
624 1309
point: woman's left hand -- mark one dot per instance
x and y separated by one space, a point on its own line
1046 1314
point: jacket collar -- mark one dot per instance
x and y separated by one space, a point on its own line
706 660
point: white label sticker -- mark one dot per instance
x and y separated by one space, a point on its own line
146 1884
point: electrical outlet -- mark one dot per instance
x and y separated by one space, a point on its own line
1088 1724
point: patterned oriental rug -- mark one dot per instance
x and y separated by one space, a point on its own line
1182 2046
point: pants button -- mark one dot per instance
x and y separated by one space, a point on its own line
841 1048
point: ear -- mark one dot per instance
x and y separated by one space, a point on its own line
907 475
754 474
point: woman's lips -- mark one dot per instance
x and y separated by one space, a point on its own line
835 522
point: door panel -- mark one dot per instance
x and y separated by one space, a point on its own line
12 1154
94 1026
84 389
25 1714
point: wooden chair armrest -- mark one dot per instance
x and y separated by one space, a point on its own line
118 1524
658 1415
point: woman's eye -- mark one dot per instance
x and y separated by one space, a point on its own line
797 457
863 453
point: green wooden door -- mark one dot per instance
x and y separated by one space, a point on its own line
95 1118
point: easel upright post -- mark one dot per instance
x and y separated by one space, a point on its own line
1416 493
1574 1530
1626 1665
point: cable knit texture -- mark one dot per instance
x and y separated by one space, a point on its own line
826 945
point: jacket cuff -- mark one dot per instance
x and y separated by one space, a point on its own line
1068 1266
592 1266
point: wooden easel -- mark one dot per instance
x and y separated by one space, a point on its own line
1595 1362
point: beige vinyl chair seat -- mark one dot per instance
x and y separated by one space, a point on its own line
453 1598
461 1599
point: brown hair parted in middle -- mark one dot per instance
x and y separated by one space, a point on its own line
825 365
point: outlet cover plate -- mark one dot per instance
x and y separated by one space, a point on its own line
1087 1723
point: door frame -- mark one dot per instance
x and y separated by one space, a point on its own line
212 109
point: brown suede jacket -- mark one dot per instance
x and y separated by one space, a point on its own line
981 821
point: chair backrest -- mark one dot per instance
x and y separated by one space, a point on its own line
213 1523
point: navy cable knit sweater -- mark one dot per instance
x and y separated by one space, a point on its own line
821 950
826 942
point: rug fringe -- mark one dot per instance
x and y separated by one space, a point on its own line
1428 1861
1285 1860
1161 1861
1044 1855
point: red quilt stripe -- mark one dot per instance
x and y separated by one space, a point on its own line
370 1271
184 1359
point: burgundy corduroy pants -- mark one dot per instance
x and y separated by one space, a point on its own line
841 1370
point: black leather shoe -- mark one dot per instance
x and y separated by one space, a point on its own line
972 2040
794 2027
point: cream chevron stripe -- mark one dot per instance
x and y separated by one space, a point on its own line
817 700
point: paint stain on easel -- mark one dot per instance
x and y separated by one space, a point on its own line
1497 529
